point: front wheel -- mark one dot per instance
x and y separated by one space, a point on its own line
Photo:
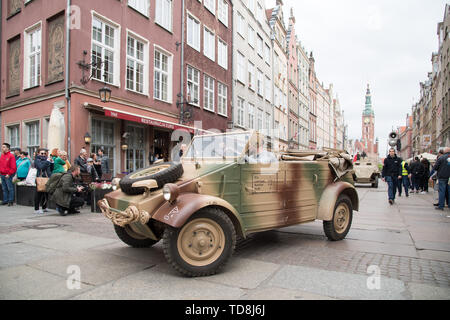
203 245
339 226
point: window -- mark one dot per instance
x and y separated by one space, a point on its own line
241 67
222 54
105 48
259 46
163 77
251 76
32 50
222 12
240 21
260 83
163 13
267 54
259 13
251 36
209 44
140 5
251 116
252 6
103 137
137 72
136 149
32 136
210 5
267 123
268 88
13 135
193 32
240 112
222 99
208 98
193 85
259 119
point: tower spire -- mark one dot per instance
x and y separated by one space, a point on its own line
368 110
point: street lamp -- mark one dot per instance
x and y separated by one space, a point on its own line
87 138
105 94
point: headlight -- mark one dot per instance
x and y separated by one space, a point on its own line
170 192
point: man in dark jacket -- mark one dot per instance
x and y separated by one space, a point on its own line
442 167
417 171
426 174
66 190
81 161
392 172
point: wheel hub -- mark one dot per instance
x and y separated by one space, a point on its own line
201 242
341 218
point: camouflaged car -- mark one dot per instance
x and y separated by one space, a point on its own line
366 171
226 187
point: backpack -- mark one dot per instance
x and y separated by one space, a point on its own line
53 182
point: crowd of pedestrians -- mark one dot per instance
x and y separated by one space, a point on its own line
414 177
17 165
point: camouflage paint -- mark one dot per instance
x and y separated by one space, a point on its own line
256 196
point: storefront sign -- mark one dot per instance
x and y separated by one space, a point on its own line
148 121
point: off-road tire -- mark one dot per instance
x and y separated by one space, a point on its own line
375 184
167 175
132 239
331 227
179 260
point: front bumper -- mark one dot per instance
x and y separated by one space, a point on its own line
123 218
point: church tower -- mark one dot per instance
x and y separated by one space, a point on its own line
368 128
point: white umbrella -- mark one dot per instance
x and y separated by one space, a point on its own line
56 130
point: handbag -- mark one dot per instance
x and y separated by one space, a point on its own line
40 184
31 177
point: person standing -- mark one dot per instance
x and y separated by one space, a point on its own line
392 173
104 160
80 161
44 169
417 170
442 167
7 170
58 164
426 174
23 166
97 165
405 178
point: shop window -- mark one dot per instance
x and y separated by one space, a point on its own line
32 137
13 135
103 137
135 159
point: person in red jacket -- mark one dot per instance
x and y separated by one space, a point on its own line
7 170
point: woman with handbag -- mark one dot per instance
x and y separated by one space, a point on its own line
44 171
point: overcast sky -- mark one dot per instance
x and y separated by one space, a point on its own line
386 43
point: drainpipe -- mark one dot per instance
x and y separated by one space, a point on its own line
67 79
182 61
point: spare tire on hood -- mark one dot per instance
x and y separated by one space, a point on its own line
166 172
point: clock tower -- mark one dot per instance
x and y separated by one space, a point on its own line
368 128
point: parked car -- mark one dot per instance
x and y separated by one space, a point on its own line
227 185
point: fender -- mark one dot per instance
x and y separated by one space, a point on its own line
330 196
176 214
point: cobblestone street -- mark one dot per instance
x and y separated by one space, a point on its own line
409 242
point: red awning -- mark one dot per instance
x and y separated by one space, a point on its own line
147 120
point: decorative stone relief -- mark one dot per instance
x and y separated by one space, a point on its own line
14 68
56 49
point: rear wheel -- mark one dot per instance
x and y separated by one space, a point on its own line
131 238
375 184
339 226
203 245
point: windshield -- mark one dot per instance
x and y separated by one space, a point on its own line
218 146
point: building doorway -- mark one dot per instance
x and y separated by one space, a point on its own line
161 144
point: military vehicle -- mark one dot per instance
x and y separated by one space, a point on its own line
225 186
366 171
